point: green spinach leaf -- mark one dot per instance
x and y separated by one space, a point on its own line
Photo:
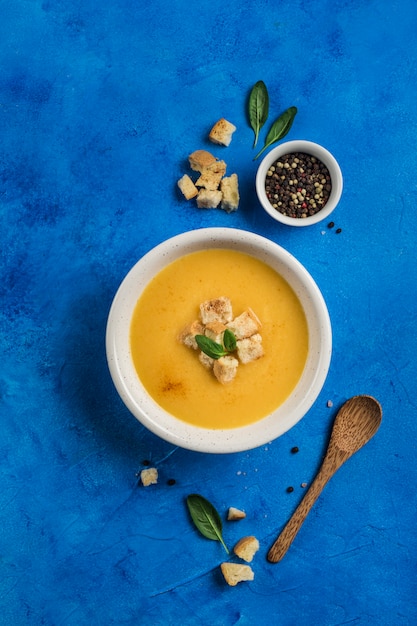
258 108
216 350
279 128
211 348
229 340
206 518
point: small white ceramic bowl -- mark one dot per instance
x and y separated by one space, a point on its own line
306 147
174 430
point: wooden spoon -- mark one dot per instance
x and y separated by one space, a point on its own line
356 423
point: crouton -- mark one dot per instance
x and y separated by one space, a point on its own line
149 476
245 325
234 514
216 310
222 132
199 159
211 176
230 190
250 348
187 336
225 369
187 187
214 331
216 316
235 573
246 548
206 360
208 199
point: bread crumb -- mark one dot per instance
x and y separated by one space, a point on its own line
222 132
229 187
234 514
205 360
199 159
250 349
235 573
187 336
245 325
216 310
246 548
214 331
187 187
225 369
208 199
211 176
149 476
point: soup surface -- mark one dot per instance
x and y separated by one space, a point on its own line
172 373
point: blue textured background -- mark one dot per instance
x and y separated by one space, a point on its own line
100 105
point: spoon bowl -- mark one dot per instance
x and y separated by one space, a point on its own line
355 424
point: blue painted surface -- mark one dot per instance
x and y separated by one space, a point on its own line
100 104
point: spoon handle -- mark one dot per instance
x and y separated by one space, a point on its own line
330 465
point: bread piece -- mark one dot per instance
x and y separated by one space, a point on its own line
234 514
246 548
211 176
208 199
245 325
206 360
222 132
225 369
216 310
235 573
199 159
189 190
230 190
149 476
214 331
250 349
187 337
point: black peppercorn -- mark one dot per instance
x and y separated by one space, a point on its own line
298 185
290 489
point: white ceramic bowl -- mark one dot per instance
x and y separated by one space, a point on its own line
174 430
307 147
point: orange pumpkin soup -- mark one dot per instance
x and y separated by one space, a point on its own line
172 373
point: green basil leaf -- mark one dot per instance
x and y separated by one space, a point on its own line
279 128
211 348
258 108
206 518
229 340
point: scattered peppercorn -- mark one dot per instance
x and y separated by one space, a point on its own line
338 231
329 403
290 489
171 481
146 462
303 485
294 450
298 185
330 225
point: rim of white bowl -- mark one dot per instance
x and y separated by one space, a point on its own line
174 430
308 147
